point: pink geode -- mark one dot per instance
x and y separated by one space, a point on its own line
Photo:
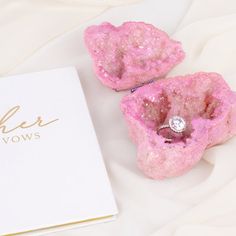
131 54
204 100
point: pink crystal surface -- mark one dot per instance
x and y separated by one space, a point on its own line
131 54
206 103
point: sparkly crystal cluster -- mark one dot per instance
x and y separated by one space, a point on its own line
208 107
131 54
198 109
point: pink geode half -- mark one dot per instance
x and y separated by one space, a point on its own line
131 54
204 100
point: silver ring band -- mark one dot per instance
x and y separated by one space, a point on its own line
164 127
176 124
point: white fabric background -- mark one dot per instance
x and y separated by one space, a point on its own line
27 25
202 202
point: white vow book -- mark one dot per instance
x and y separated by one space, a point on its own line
52 174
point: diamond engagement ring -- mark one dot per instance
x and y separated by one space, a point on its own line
176 124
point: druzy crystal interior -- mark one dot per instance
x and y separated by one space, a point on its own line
177 124
131 54
208 107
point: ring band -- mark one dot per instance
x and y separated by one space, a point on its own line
177 124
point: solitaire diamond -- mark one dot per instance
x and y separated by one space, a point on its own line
177 124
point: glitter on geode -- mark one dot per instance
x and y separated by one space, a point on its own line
131 54
206 103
